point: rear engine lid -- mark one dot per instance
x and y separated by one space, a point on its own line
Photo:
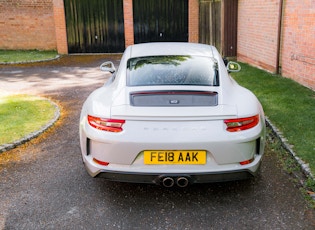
173 98
171 103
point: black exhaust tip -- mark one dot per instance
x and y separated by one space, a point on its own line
182 182
168 182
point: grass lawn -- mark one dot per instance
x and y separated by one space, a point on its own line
8 56
21 115
289 106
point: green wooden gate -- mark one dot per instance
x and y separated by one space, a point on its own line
229 47
210 22
160 20
218 25
95 26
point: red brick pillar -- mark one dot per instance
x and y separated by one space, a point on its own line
60 27
128 21
193 21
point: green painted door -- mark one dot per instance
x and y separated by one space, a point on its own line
160 20
95 26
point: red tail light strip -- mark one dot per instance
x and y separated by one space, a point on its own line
240 124
174 92
110 125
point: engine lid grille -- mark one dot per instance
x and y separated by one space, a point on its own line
174 98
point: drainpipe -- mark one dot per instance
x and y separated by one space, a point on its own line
278 71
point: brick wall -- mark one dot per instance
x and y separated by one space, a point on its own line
258 27
60 26
258 32
298 42
27 24
128 22
40 24
193 21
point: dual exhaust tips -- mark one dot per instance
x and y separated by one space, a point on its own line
169 182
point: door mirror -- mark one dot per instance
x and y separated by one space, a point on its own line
108 67
233 67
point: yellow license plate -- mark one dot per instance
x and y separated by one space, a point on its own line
190 157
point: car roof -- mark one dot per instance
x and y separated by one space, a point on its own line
170 48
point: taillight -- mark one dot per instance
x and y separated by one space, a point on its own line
110 125
239 124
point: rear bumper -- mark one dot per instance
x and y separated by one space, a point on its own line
193 178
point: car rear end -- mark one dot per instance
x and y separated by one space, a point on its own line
150 143
173 123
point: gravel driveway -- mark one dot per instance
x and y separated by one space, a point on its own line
45 186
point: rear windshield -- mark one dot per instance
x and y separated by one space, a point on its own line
172 70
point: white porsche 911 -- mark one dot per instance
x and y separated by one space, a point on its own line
172 115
